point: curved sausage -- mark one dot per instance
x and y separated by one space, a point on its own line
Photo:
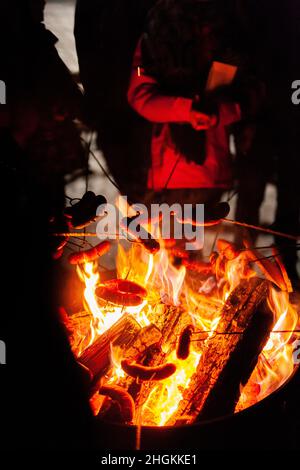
58 248
144 373
119 298
169 242
123 398
213 215
229 250
150 244
128 287
197 266
87 256
121 292
177 253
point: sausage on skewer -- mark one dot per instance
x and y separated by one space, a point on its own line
144 373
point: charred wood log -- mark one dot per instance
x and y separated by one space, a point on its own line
229 356
147 340
97 356
170 320
147 337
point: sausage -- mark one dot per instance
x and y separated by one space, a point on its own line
177 253
213 258
169 242
198 266
141 235
122 292
229 250
213 215
184 343
128 287
151 245
87 256
119 298
57 254
144 373
123 398
59 244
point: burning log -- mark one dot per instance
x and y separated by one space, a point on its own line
174 325
97 356
147 337
229 356
127 335
147 340
170 320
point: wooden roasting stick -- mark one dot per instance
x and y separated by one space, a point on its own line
228 360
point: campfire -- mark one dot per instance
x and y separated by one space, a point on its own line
174 341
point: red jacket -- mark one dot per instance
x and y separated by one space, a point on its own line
144 96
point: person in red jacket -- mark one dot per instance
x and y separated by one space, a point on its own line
191 160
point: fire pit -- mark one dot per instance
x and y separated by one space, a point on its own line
172 342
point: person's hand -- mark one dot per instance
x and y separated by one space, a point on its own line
201 121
